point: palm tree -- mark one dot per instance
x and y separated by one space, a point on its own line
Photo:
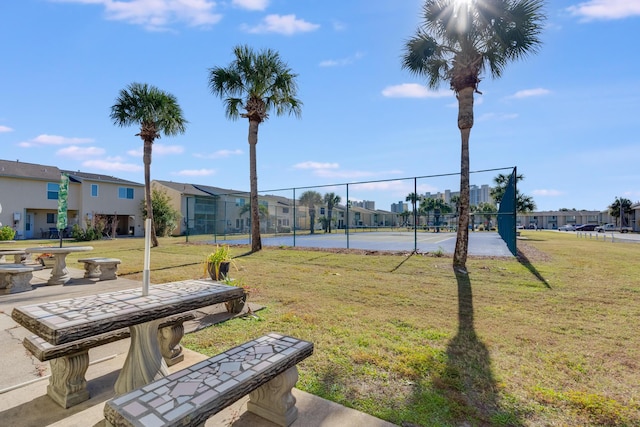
439 207
524 203
426 206
331 199
619 209
456 43
157 112
256 83
311 199
414 199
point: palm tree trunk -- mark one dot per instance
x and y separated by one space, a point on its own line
147 189
256 242
465 123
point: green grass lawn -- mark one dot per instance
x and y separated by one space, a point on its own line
549 339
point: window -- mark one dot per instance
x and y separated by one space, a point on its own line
239 202
94 190
285 210
51 218
52 190
322 211
125 193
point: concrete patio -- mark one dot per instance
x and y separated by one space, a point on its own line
24 379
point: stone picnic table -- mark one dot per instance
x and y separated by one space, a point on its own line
69 320
59 274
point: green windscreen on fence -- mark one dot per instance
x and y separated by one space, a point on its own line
507 214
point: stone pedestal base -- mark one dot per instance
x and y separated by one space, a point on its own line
144 362
274 400
67 385
12 283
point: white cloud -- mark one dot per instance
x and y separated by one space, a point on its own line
195 172
220 154
112 164
605 9
167 149
251 4
45 139
282 24
157 14
339 26
76 152
316 165
412 90
548 193
342 62
528 93
5 129
157 149
497 116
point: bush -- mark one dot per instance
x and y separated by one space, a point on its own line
81 235
7 233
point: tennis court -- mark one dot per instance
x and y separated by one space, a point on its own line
480 243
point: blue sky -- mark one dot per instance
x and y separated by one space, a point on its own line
566 117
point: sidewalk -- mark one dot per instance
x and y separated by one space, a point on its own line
24 380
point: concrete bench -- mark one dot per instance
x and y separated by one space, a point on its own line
264 368
100 268
19 255
69 362
16 278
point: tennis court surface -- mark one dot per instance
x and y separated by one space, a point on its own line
480 243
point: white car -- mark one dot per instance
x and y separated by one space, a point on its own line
567 227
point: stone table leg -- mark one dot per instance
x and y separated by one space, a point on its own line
144 362
59 274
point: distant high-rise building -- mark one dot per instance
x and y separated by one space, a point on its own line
399 207
366 204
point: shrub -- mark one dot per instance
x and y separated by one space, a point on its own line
7 233
81 235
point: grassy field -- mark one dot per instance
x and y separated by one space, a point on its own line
549 339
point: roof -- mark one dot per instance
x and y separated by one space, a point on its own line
18 169
183 188
82 176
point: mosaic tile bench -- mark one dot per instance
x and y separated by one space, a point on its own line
69 362
100 268
264 368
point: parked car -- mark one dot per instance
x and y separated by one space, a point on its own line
567 227
587 227
612 227
519 227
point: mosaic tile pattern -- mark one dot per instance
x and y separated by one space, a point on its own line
202 390
68 320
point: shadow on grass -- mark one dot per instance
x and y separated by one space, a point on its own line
467 378
522 258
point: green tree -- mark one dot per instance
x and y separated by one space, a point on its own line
405 217
331 200
263 211
488 210
156 112
414 199
255 83
426 207
620 208
311 199
524 203
165 217
457 42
